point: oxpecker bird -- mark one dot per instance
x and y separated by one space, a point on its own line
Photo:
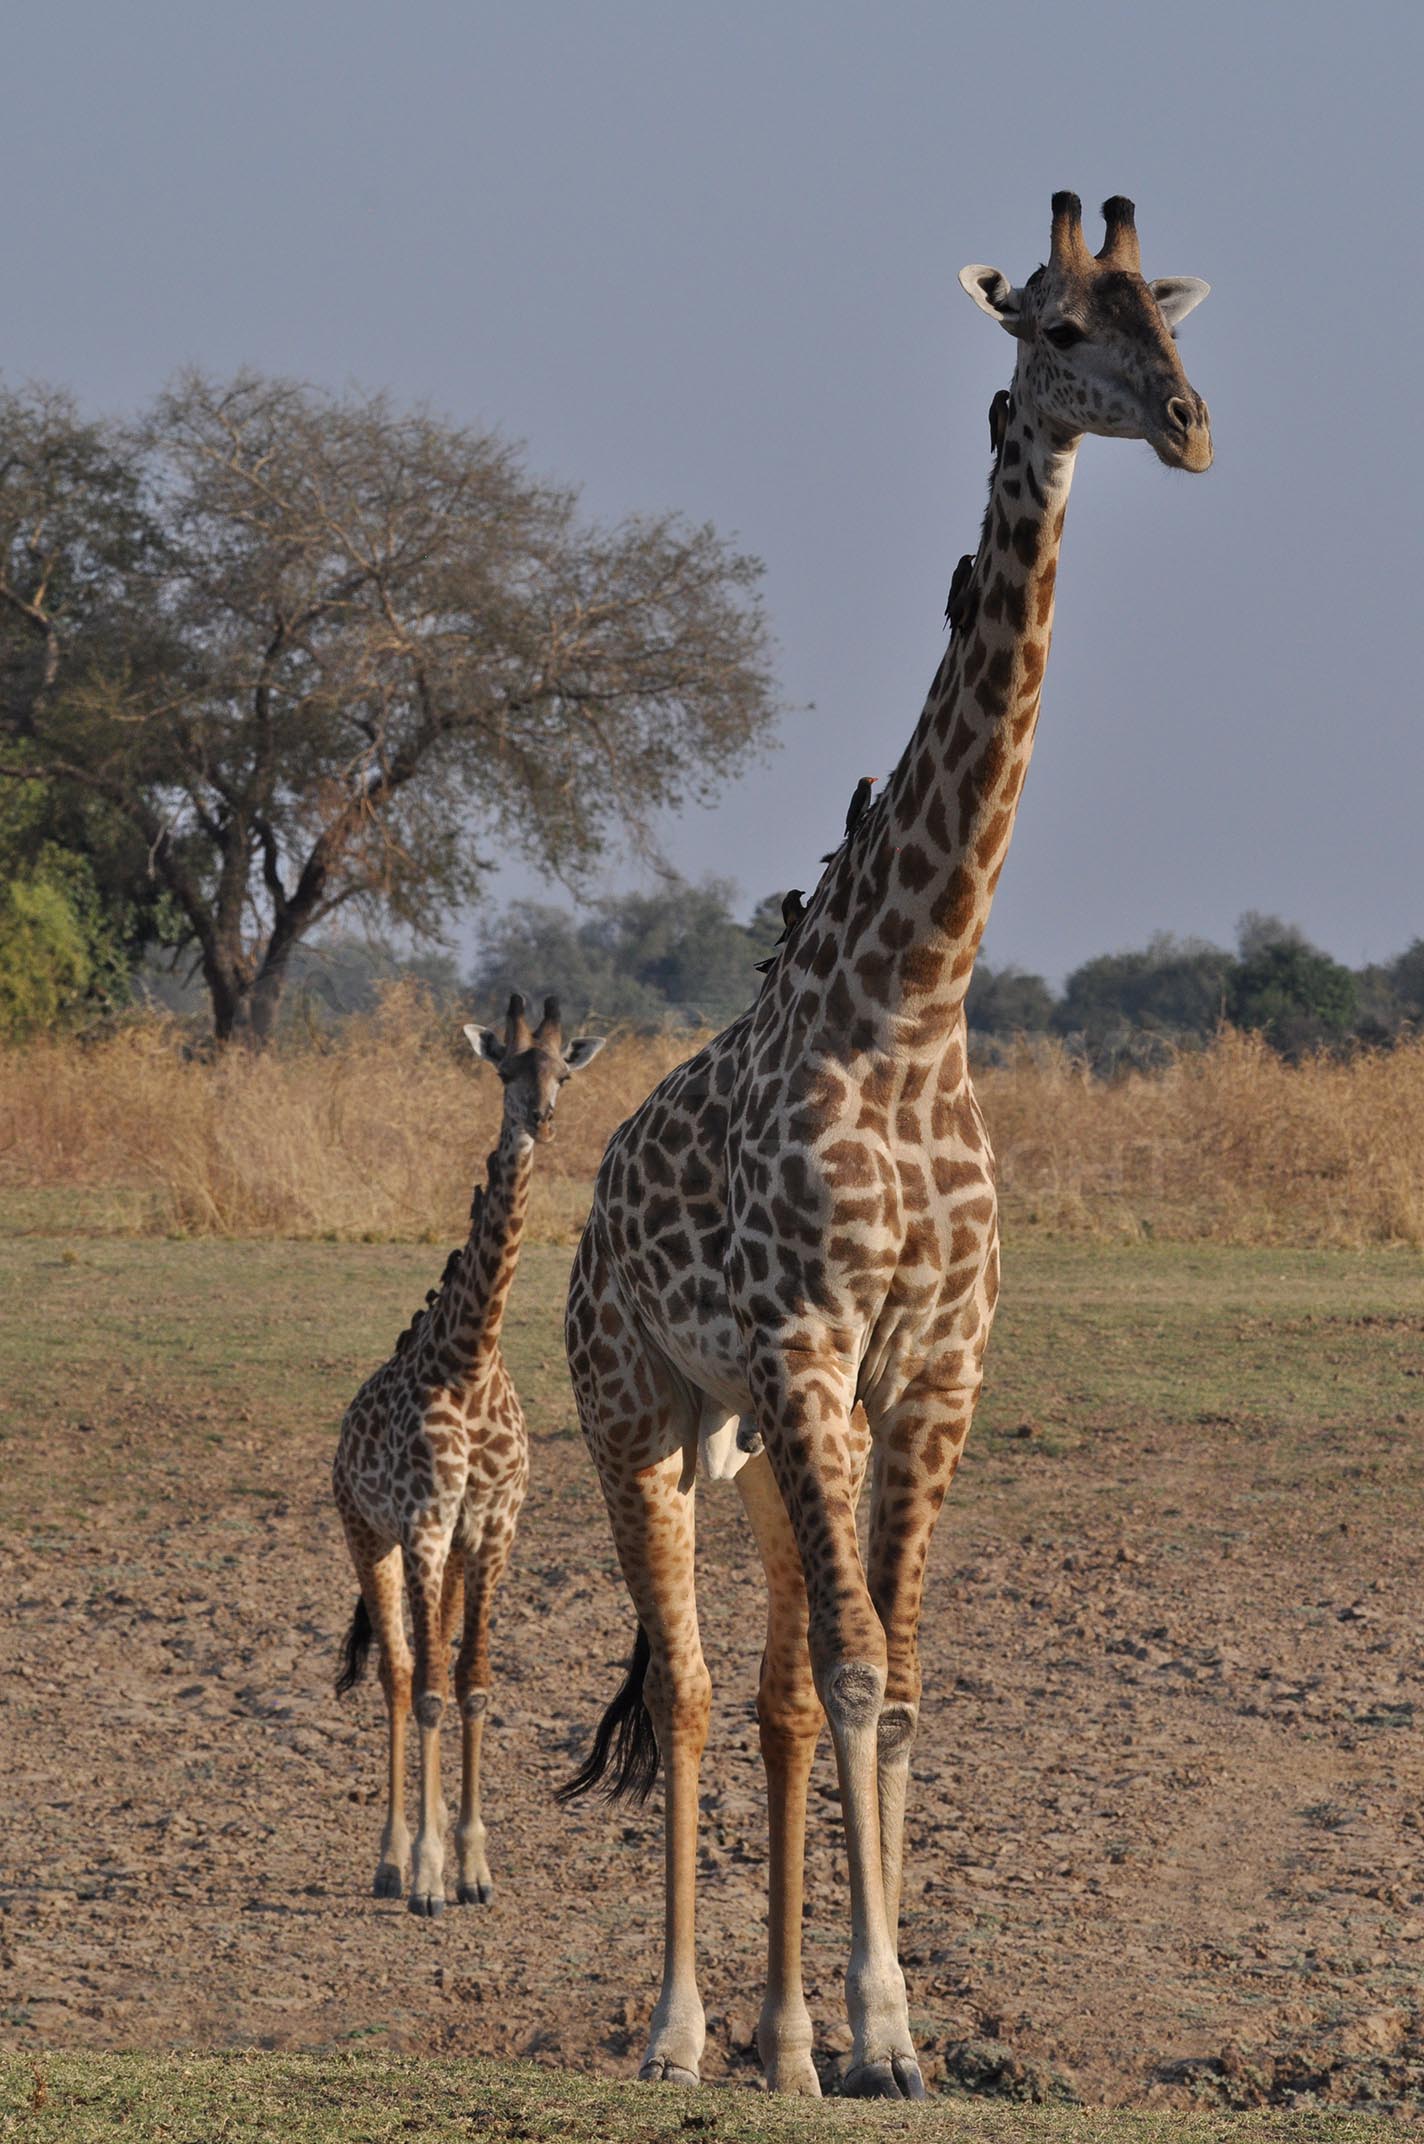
856 809
793 908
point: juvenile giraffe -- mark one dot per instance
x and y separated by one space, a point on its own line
799 1225
431 1470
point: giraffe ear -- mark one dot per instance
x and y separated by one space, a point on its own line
485 1043
581 1053
995 295
1178 295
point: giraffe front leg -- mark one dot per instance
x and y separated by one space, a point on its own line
475 1886
919 1444
424 1571
790 1720
803 1403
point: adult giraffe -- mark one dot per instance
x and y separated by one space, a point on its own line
798 1226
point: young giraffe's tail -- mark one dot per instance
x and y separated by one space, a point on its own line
625 1736
356 1650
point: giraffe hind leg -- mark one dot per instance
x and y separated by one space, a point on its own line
652 1523
636 1421
378 1570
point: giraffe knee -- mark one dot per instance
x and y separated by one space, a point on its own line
474 1704
787 1705
428 1708
895 1729
854 1693
679 1700
781 1723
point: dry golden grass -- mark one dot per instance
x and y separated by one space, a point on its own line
376 1134
1227 1145
379 1132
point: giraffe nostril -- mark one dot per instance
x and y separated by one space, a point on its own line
1180 413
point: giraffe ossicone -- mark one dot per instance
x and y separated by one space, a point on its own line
798 1229
429 1476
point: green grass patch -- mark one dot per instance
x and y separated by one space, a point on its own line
353 2099
139 1351
1190 1335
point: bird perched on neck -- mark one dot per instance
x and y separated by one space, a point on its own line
856 809
954 602
959 604
793 908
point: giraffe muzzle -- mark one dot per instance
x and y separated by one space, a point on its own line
1184 440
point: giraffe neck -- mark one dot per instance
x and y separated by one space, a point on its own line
907 899
473 1311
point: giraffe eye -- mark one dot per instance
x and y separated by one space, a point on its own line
1064 335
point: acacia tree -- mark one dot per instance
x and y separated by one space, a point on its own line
321 653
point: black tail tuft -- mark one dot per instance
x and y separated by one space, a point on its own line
356 1650
625 1736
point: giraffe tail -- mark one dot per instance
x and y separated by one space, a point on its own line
625 1739
356 1650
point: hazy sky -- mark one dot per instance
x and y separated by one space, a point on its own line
704 257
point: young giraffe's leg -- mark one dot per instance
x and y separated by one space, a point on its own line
918 1445
652 1520
803 1400
790 1718
426 1551
484 1569
452 1615
378 1569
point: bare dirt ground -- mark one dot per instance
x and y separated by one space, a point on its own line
1165 1830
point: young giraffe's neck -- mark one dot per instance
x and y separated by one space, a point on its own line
471 1310
907 900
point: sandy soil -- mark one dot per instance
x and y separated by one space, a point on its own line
1165 1831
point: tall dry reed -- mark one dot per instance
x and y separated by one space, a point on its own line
1228 1144
379 1132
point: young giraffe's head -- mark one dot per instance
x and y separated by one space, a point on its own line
533 1065
1096 348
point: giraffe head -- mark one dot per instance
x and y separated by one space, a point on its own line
1096 347
533 1065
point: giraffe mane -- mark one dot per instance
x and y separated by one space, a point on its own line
406 1340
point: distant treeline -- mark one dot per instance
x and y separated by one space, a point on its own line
679 959
1138 1007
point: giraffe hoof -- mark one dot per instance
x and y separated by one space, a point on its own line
658 2070
428 1905
390 1881
795 2079
897 2078
907 2076
474 1894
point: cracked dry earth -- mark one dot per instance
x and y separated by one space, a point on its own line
1164 1840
